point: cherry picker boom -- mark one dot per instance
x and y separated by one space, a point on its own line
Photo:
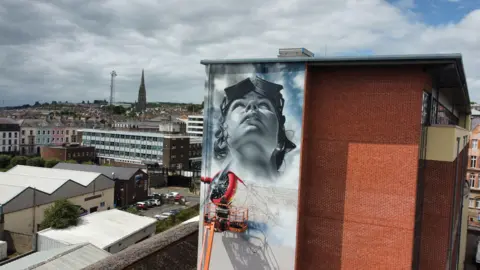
220 216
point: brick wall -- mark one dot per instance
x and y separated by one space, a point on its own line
52 153
359 167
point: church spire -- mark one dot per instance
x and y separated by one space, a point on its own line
142 95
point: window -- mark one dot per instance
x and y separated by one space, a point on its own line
471 203
474 144
102 204
31 132
477 203
9 134
473 162
23 132
16 134
472 180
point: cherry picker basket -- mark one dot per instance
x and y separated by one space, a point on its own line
237 218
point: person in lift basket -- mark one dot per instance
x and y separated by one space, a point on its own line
223 213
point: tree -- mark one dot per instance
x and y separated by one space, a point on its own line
62 214
36 161
4 161
83 101
37 104
71 161
51 163
18 160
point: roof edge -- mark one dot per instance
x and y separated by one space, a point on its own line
369 58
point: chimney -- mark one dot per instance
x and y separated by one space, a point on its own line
294 52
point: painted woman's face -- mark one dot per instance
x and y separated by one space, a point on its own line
252 119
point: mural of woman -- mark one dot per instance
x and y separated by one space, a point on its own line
251 140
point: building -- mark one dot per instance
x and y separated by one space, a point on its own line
113 230
128 147
36 133
138 126
142 95
9 136
295 52
381 178
172 127
473 171
195 125
195 153
71 151
25 193
71 257
131 184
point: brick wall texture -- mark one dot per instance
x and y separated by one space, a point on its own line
359 174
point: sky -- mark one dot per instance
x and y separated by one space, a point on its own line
65 51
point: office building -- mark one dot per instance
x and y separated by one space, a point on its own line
195 125
9 136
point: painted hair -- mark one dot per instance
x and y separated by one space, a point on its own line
267 89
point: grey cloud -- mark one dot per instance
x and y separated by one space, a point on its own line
66 50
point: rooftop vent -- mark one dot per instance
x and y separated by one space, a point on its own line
295 52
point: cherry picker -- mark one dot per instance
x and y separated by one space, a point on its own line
220 215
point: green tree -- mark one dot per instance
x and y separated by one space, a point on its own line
71 161
51 163
132 210
18 160
4 161
62 214
36 161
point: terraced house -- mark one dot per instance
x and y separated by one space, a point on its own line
42 132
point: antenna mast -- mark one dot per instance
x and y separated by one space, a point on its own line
113 74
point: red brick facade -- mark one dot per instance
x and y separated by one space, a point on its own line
359 177
79 153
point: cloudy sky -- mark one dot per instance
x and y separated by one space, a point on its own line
66 50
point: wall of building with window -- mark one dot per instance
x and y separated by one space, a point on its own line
195 125
125 145
473 174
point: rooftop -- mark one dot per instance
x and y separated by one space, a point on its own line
8 192
8 121
66 258
122 173
134 133
44 184
101 229
83 178
176 248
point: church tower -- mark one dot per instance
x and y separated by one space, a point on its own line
142 95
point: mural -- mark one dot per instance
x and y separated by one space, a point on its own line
251 163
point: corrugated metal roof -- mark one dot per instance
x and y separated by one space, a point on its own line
368 58
47 185
122 173
8 192
83 178
72 257
102 229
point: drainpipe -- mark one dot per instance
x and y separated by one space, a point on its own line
452 212
459 229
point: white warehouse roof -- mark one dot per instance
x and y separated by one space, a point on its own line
101 229
65 258
47 185
83 178
8 192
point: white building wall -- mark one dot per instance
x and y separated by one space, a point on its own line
195 125
132 239
46 243
9 141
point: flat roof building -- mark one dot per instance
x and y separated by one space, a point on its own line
368 154
113 230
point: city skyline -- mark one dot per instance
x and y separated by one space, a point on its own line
55 52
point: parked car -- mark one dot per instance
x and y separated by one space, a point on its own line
142 206
160 217
174 212
167 214
148 203
155 202
178 197
172 195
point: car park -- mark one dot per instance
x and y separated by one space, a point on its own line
155 202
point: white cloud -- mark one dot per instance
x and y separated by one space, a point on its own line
57 51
